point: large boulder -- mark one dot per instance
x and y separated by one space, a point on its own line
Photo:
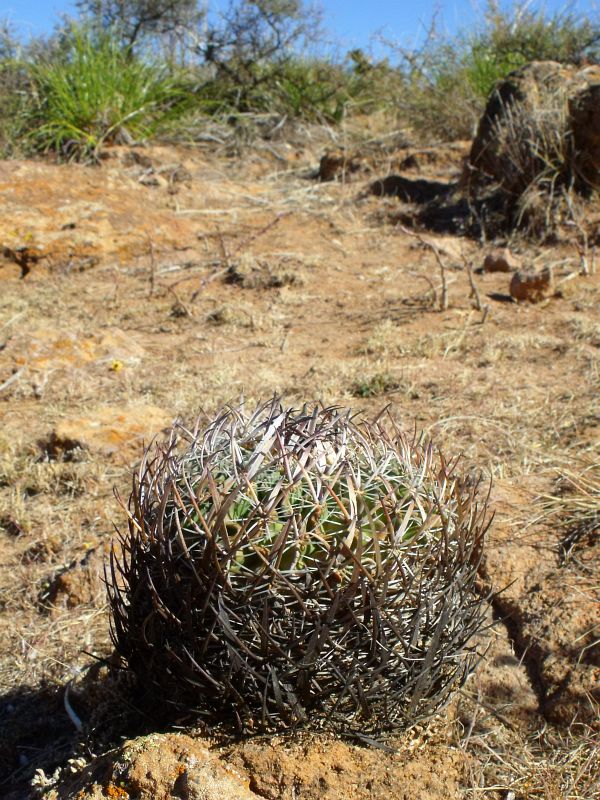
584 113
542 122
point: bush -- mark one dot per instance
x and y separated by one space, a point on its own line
449 80
97 93
298 88
297 568
14 85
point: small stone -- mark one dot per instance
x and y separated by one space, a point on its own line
337 165
151 178
500 261
410 162
532 286
79 584
107 430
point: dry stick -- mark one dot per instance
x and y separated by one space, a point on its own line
249 239
212 277
69 709
475 291
13 319
224 260
186 266
14 377
152 266
224 252
431 286
587 268
488 707
217 211
582 249
179 304
583 246
226 256
438 258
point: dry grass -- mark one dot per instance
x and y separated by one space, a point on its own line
546 765
517 396
585 330
575 507
534 162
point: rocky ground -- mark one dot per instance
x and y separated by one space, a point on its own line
167 280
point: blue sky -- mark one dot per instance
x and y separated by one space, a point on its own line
351 23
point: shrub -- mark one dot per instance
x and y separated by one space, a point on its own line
14 86
306 88
298 568
312 90
449 79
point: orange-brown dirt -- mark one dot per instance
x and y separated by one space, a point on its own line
169 280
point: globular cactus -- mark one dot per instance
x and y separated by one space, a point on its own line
290 568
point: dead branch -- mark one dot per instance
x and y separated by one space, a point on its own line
440 261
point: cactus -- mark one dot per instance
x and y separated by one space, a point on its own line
289 568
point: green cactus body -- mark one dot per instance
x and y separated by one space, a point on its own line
326 573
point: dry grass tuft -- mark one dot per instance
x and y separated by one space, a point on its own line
250 272
546 765
575 506
585 330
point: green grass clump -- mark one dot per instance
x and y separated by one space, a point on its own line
97 93
375 385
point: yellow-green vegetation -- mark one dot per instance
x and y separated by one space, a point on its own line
97 92
112 77
449 78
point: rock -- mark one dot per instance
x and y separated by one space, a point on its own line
157 767
79 584
337 164
532 286
152 178
135 158
584 111
319 768
500 261
48 349
108 430
528 114
541 83
410 162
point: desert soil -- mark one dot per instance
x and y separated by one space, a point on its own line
168 280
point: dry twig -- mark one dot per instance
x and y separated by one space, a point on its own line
440 261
